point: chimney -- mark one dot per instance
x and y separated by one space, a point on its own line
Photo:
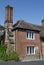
8 14
43 22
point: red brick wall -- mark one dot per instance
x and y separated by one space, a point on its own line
22 42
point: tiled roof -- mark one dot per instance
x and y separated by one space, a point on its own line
24 25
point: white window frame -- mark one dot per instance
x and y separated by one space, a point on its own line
29 52
29 36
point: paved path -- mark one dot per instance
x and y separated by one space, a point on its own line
22 63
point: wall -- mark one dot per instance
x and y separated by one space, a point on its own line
22 42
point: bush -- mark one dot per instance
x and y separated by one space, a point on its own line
13 56
3 54
10 56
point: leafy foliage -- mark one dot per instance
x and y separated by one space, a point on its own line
7 56
3 54
13 56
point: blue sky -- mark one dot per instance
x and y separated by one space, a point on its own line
31 11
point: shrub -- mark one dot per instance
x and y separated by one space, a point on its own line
3 54
13 56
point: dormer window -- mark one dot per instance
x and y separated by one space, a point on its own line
30 35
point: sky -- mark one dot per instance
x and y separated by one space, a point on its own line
31 11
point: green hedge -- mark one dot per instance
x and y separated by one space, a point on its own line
3 54
10 56
13 56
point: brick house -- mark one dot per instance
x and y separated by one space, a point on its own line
29 38
25 38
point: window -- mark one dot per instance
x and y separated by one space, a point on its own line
30 50
30 35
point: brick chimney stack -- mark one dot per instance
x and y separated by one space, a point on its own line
8 14
43 22
8 24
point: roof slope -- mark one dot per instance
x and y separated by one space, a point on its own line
24 25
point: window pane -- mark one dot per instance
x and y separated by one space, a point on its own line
32 35
28 50
32 49
27 34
